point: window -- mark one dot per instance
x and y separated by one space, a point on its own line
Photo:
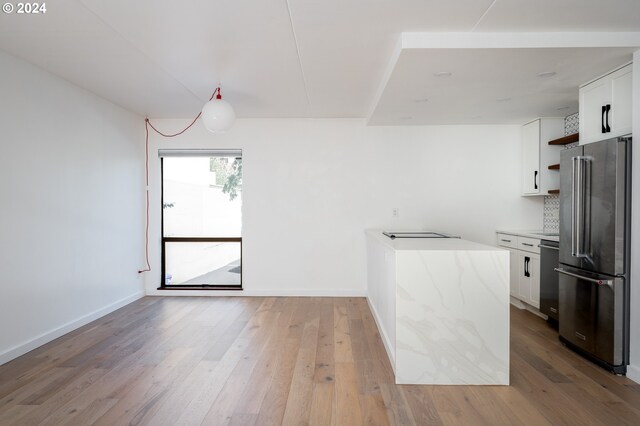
201 219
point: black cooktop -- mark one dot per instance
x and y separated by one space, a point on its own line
417 234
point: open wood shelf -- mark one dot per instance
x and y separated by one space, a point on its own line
554 191
566 140
554 167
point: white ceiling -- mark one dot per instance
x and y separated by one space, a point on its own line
315 58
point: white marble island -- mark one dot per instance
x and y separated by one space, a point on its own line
442 308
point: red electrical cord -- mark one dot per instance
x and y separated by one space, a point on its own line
148 124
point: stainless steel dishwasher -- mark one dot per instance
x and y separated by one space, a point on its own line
549 279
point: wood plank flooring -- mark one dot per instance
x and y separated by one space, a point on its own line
292 361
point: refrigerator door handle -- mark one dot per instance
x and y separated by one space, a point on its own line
579 209
585 208
608 283
574 206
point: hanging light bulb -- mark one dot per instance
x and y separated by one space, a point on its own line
218 114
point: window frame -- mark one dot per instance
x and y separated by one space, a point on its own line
165 240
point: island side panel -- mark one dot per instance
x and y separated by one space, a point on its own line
381 287
452 317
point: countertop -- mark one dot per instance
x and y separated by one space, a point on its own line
442 244
538 234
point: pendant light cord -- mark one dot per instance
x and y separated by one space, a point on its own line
148 124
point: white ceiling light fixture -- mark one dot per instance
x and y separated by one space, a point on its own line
217 114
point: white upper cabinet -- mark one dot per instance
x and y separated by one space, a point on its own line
621 92
537 155
605 106
530 150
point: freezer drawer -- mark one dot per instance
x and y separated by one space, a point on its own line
592 314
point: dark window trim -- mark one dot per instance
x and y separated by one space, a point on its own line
202 239
163 272
165 240
201 287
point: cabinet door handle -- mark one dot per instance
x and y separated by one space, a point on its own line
607 118
526 266
527 244
506 241
604 109
535 179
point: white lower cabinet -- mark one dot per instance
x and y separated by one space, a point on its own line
529 278
524 272
514 273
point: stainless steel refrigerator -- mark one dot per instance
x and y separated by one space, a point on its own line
595 206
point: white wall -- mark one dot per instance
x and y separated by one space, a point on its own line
634 368
464 180
71 207
311 188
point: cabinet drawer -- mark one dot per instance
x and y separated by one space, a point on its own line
528 244
506 240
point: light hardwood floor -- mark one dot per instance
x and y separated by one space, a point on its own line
246 361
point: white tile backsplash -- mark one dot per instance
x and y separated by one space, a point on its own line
551 213
571 124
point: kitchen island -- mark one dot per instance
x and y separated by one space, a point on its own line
442 308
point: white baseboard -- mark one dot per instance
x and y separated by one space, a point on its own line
536 312
516 302
385 338
521 305
261 293
40 340
633 373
